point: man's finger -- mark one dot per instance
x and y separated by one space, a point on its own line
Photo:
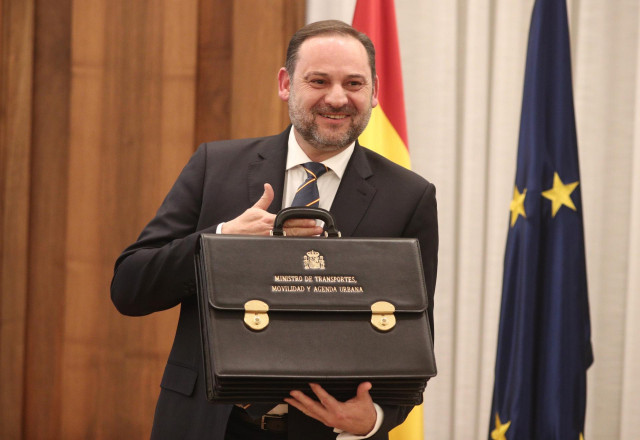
299 223
312 407
325 398
303 232
295 402
363 391
267 197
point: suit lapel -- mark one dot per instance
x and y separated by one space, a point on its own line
352 199
269 167
354 193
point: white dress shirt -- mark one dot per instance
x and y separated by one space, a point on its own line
328 183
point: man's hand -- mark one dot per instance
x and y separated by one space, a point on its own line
257 221
356 416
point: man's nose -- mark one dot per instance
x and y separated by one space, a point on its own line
336 96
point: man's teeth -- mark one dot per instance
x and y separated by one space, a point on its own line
335 116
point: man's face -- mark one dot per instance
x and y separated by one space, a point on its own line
330 95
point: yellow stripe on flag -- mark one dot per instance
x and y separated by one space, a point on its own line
381 137
411 428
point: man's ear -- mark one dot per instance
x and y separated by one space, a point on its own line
374 94
284 84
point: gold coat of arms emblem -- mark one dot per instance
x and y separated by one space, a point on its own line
313 261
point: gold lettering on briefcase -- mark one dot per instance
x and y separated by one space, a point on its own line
313 261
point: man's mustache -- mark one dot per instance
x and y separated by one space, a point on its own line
344 110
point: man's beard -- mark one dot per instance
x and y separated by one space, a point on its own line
305 124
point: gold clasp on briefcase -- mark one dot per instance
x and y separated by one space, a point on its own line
382 316
255 314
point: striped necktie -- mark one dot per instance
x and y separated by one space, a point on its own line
307 194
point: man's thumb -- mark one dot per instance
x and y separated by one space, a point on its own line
266 199
363 390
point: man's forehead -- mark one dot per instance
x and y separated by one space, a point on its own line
333 50
332 40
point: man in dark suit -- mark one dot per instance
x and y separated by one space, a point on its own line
236 187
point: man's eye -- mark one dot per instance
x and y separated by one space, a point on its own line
317 81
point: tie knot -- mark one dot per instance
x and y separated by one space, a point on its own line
315 169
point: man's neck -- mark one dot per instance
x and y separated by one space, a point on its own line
314 153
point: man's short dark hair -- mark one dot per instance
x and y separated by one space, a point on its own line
328 27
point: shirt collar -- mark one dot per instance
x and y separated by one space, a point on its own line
337 163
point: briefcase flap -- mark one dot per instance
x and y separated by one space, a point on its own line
312 274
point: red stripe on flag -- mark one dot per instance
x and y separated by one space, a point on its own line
377 19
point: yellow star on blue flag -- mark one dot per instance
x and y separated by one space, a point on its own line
517 205
560 194
501 429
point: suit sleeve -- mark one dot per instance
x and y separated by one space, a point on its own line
424 226
157 271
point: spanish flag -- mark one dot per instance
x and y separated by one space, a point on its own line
386 133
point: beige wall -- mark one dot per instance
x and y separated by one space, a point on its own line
463 69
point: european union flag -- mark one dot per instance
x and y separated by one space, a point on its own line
544 341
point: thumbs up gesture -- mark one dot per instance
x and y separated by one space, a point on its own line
257 221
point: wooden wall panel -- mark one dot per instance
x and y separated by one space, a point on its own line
16 66
47 226
242 45
215 48
103 102
260 44
132 113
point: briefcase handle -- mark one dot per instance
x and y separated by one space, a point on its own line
302 212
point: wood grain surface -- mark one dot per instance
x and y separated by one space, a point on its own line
103 103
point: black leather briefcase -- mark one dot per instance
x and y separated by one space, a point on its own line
277 313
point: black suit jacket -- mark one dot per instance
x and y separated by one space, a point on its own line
376 198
